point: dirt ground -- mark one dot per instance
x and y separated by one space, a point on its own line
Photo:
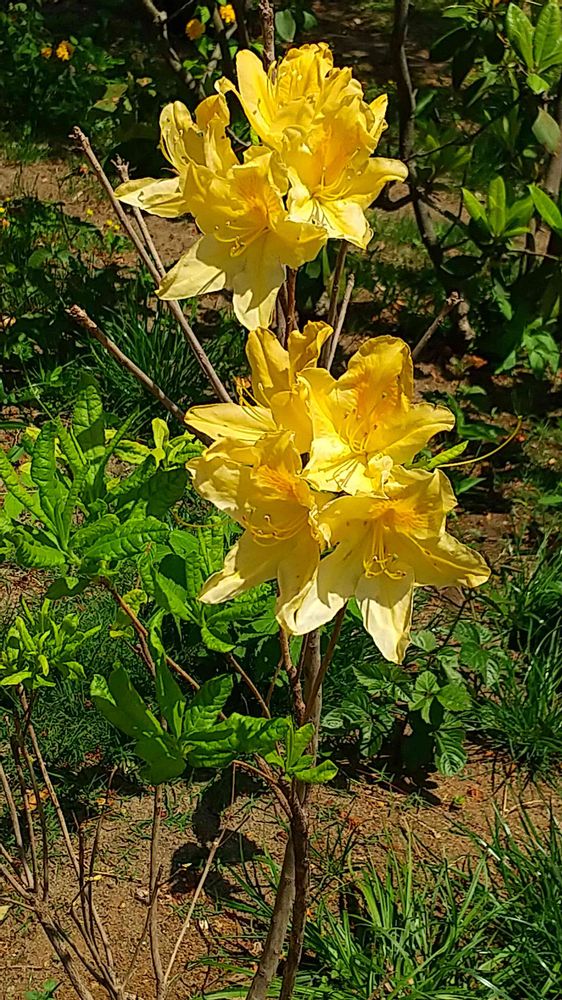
372 816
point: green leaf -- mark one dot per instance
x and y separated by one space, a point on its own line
450 757
446 46
168 692
128 539
285 25
454 698
519 212
37 551
170 590
69 447
66 586
297 742
547 209
122 705
547 36
88 422
12 483
546 131
163 756
208 703
425 640
520 33
70 503
537 83
326 771
85 536
44 472
496 206
475 209
448 455
163 490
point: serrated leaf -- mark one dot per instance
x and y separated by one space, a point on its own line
128 539
85 536
519 32
70 449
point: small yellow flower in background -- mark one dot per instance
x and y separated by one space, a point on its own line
194 29
89 212
277 397
2 209
64 51
227 13
47 51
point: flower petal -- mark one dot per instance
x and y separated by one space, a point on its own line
246 424
201 270
334 583
442 562
294 574
256 284
246 565
269 364
159 197
385 602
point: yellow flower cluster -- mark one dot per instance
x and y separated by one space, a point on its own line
64 51
310 178
318 471
227 13
194 29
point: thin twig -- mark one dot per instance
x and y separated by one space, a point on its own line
199 889
249 684
155 872
338 271
198 351
449 304
270 782
241 26
332 342
292 318
123 171
26 810
81 317
15 825
42 821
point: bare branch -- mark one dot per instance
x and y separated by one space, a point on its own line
333 341
15 825
81 317
249 684
174 307
449 304
268 32
155 873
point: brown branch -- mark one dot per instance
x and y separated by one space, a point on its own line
338 271
326 661
123 171
249 684
293 677
241 26
80 316
267 18
174 307
15 826
300 839
291 314
449 304
222 39
160 19
26 811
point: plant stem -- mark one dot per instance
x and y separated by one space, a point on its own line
338 271
300 840
332 343
268 31
154 885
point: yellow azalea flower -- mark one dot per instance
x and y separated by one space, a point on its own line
194 29
47 51
248 241
227 13
184 143
64 51
332 178
297 90
278 511
384 547
277 398
365 422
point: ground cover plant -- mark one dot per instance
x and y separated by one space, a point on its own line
280 662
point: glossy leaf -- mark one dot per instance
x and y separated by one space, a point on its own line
128 539
547 36
520 33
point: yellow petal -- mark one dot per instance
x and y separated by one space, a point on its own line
304 348
385 602
246 565
201 270
442 562
176 124
159 197
295 571
245 424
221 479
256 284
329 589
405 437
269 364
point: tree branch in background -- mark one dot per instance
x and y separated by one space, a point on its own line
160 19
80 316
333 341
450 303
242 27
200 355
222 39
267 17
